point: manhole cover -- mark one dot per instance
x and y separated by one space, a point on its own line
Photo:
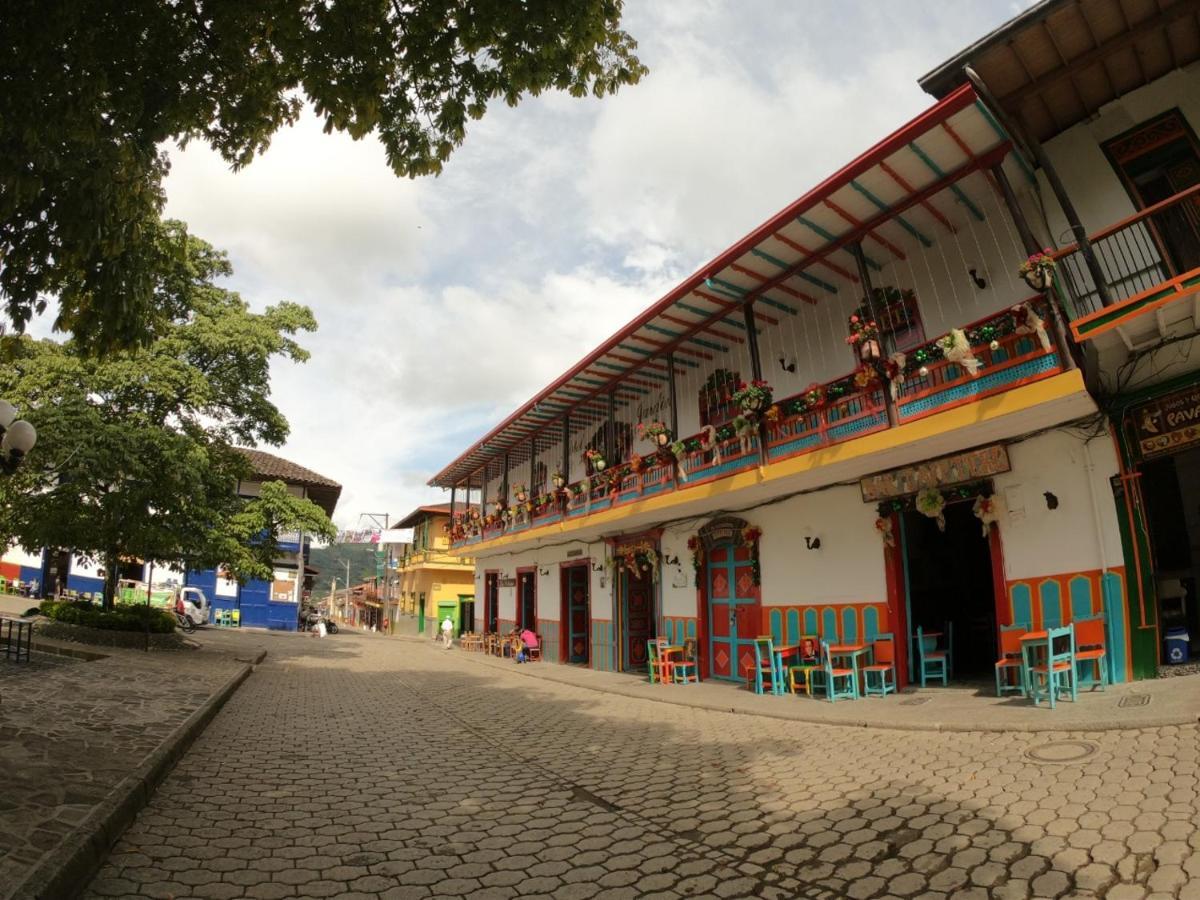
1135 700
915 701
1061 751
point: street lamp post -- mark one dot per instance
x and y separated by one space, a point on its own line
17 438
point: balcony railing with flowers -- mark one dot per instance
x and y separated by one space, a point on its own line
995 354
1137 254
999 353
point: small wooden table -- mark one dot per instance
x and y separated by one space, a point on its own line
851 652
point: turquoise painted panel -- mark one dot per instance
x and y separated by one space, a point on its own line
980 385
1022 604
857 426
776 619
1051 597
810 621
793 626
1081 597
794 446
691 628
870 623
1113 593
829 630
849 625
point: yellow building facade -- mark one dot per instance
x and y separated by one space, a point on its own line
430 582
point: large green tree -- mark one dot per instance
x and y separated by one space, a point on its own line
90 90
135 454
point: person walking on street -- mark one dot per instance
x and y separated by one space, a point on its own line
447 631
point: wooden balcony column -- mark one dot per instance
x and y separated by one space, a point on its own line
1057 324
864 277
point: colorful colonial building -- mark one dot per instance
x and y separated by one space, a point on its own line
256 603
431 581
863 417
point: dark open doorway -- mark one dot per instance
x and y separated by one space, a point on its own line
526 600
950 581
1171 488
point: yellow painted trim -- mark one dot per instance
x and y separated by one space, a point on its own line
1017 400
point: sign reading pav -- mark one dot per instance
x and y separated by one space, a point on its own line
937 473
1168 423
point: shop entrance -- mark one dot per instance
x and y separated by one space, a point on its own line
1171 490
734 611
491 602
575 614
526 600
950 582
637 618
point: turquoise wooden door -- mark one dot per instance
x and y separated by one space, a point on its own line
734 618
578 614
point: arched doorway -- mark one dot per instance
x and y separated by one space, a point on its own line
731 600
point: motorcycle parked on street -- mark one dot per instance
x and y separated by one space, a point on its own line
312 619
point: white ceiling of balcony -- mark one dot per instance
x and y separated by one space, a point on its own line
904 189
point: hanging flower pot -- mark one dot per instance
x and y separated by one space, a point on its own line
753 398
870 350
521 493
559 481
1038 270
931 503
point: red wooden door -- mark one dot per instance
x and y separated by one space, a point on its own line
734 613
576 579
638 618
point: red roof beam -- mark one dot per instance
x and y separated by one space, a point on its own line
990 158
713 331
857 223
925 204
729 304
800 248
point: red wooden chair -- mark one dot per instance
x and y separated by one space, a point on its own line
1090 647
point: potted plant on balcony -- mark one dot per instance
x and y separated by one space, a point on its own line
753 398
596 458
655 432
864 337
1038 270
520 492
558 479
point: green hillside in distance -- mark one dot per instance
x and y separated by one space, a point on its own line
327 559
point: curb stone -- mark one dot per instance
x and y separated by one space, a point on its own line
69 867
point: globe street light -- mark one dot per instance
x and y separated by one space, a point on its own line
17 437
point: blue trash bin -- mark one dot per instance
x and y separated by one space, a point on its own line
1176 644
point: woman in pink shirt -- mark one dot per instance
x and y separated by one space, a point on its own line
529 641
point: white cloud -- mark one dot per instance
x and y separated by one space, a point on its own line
445 302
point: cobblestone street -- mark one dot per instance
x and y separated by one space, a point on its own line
363 767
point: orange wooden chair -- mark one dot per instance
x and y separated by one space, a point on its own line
1090 647
1010 659
883 665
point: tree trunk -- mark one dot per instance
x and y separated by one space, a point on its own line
112 575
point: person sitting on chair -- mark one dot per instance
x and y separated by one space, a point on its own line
529 642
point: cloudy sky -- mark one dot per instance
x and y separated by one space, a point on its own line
444 303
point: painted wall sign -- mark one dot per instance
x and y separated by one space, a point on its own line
507 582
573 553
1168 423
956 469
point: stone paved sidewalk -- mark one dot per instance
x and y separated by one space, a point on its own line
72 730
974 707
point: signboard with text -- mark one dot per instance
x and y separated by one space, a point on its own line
936 473
1167 424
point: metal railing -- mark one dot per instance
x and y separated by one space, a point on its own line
1135 255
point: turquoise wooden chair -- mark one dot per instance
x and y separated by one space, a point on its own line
879 677
931 661
1055 674
1010 660
766 666
849 689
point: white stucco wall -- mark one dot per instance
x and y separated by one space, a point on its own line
549 585
18 555
1082 533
